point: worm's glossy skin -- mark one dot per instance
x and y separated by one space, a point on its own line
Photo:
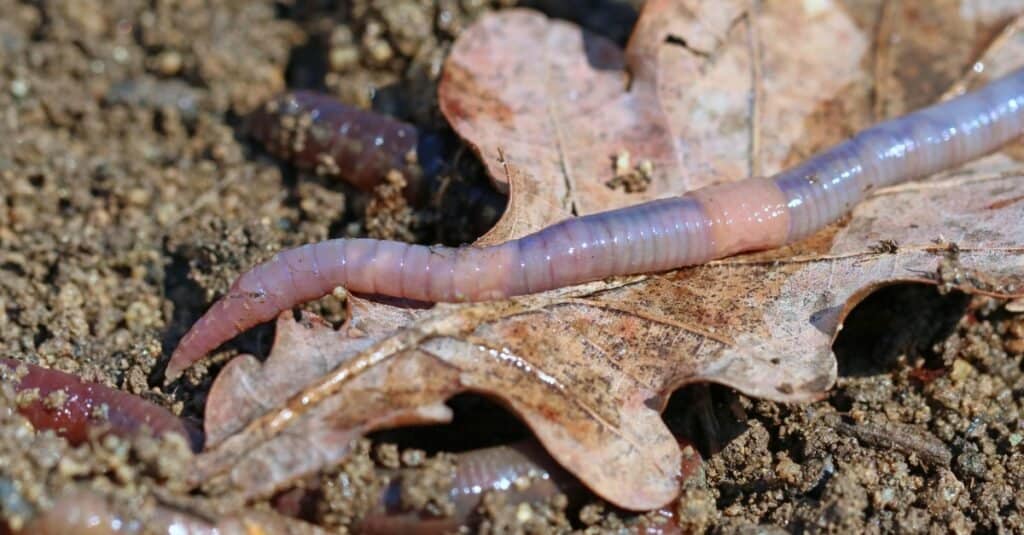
496 469
705 224
123 413
504 470
939 137
315 131
84 512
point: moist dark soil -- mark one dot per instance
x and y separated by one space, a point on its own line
130 198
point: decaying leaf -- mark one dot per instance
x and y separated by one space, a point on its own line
681 96
713 92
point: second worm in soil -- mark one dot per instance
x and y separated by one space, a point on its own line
702 225
74 408
316 132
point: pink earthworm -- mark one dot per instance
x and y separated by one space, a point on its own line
496 469
518 473
523 473
314 131
705 224
80 511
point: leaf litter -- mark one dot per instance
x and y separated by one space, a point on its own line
589 368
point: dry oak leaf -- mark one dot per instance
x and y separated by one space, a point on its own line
560 103
589 368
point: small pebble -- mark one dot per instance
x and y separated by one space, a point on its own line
413 457
885 497
788 471
961 370
169 63
120 54
55 400
19 88
70 468
972 464
387 455
14 506
524 513
341 58
380 51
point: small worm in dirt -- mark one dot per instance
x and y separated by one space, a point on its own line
702 225
85 512
522 472
79 406
316 132
903 438
519 473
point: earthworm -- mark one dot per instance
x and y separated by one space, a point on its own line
506 469
495 469
84 512
81 512
316 132
705 224
79 406
521 473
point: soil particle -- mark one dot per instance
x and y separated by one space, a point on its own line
387 455
499 516
630 178
349 491
696 510
388 216
320 207
427 487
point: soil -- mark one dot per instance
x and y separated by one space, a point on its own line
130 199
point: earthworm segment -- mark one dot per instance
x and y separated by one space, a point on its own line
80 511
523 473
497 469
73 407
316 132
702 225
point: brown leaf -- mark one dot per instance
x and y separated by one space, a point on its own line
938 39
717 94
567 102
246 389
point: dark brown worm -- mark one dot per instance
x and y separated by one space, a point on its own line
82 406
702 225
316 132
